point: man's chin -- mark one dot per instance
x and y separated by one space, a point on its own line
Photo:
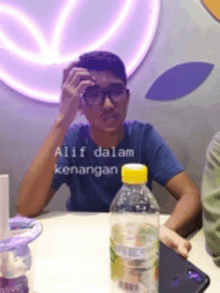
109 127
113 126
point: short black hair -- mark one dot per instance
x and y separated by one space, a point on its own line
101 61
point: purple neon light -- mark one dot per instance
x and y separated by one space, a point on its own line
49 55
34 31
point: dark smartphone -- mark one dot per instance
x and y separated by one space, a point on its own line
178 275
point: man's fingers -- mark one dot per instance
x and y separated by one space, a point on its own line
184 248
80 76
182 251
169 242
83 85
79 90
175 241
73 73
71 65
180 247
173 245
76 76
66 71
188 245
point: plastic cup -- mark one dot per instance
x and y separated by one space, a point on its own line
17 256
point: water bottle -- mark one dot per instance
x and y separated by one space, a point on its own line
134 235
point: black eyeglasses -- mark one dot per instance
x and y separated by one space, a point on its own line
95 97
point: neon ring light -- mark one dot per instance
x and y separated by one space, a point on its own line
48 53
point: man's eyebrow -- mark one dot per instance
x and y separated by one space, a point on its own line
96 86
119 84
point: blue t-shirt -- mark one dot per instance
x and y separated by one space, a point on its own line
93 173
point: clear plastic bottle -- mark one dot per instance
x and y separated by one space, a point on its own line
17 256
134 235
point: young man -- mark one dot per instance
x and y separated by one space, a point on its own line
96 86
210 197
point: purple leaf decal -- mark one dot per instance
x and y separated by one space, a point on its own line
179 81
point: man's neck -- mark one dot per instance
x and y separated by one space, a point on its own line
106 139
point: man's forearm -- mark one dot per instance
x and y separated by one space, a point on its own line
186 210
37 180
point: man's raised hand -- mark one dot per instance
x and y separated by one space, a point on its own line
74 86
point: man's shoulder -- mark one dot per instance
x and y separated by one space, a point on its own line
215 142
140 134
216 137
137 126
213 149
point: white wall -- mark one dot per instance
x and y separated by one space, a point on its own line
186 33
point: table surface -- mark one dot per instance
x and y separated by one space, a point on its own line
72 254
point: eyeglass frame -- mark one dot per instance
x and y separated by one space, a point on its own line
104 93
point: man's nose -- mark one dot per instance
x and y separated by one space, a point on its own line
107 102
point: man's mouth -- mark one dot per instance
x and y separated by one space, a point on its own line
110 117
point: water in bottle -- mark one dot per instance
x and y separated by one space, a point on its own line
134 235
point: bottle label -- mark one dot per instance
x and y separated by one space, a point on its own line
134 258
131 253
18 285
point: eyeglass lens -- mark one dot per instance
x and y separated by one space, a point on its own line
96 96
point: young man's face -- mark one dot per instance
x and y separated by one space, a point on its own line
109 114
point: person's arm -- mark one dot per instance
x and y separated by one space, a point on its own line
36 183
182 188
210 197
35 191
167 171
188 206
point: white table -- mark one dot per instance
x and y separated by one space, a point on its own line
73 254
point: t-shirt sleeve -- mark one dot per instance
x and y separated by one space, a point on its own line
62 166
162 162
210 197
